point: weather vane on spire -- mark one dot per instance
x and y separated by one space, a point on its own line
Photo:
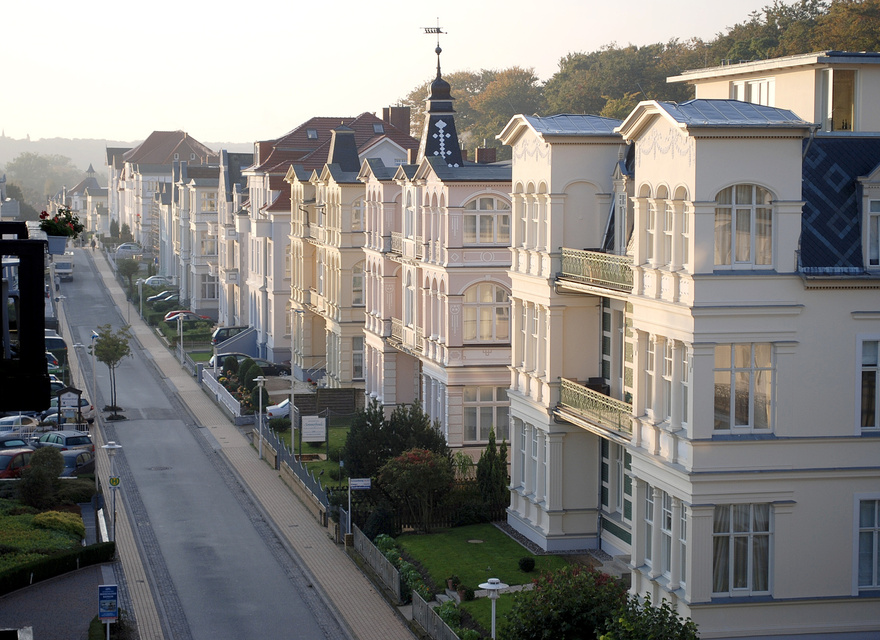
436 30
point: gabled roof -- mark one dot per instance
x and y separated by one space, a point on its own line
560 125
469 172
712 114
160 147
88 183
831 225
376 167
296 147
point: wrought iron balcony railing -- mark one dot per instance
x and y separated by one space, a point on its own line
599 269
595 407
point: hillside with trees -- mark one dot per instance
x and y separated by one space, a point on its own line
614 79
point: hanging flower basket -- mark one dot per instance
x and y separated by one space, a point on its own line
57 245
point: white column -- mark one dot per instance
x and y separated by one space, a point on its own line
656 541
675 554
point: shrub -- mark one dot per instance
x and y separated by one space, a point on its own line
573 602
39 485
469 593
636 620
526 564
379 522
279 424
61 521
256 392
449 614
335 454
231 364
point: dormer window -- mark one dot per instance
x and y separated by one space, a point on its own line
177 156
378 128
192 156
312 134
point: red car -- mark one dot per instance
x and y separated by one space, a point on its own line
14 461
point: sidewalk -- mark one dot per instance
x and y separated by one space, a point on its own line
360 607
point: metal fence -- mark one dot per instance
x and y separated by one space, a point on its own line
223 396
387 572
302 472
428 620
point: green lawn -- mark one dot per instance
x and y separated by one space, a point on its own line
456 552
480 610
337 433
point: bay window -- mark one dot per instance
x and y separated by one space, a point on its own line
486 314
487 221
743 227
743 387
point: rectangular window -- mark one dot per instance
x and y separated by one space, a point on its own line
522 453
685 239
650 223
209 201
743 387
357 358
741 549
668 215
667 379
666 533
649 375
869 544
485 408
870 385
649 525
874 233
685 386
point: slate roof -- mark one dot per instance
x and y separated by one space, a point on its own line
566 124
831 225
730 113
471 171
88 183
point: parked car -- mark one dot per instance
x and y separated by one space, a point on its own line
51 414
14 441
14 461
65 440
52 363
159 297
157 281
129 250
280 410
222 334
186 316
16 423
57 346
76 462
269 368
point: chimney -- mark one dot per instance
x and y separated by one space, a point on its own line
484 155
398 117
412 156
464 155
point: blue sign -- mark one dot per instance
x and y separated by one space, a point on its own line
359 484
108 602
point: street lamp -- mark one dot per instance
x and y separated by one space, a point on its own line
94 383
260 380
141 295
493 587
112 448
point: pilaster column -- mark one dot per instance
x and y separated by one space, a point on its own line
555 471
675 551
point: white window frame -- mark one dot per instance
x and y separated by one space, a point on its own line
735 372
486 221
734 246
485 408
479 314
872 255
859 529
861 370
357 285
357 358
749 535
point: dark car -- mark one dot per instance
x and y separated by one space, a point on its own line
221 334
269 368
77 461
14 442
66 440
14 461
185 316
162 295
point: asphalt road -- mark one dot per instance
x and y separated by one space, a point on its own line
217 569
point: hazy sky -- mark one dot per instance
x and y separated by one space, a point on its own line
255 70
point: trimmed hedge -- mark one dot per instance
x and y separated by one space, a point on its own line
56 565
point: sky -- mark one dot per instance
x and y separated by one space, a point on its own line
121 70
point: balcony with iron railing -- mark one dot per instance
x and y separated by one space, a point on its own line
595 407
594 268
397 242
409 339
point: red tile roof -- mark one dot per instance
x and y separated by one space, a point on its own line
160 147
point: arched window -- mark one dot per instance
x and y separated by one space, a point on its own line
357 284
743 226
486 314
487 221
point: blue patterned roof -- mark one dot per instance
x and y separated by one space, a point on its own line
730 113
831 226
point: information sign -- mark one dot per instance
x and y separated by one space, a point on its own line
108 602
314 429
359 484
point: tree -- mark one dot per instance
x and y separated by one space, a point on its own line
42 176
125 233
512 91
372 440
110 348
417 479
466 85
572 603
128 269
492 473
39 484
114 229
25 211
638 620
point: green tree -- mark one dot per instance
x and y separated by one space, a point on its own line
417 479
128 269
572 603
114 229
42 176
466 85
25 211
125 233
492 473
849 25
638 620
39 484
110 348
512 91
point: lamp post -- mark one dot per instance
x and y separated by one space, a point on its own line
94 383
260 380
493 587
141 295
112 448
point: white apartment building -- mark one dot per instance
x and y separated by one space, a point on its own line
231 200
436 285
679 281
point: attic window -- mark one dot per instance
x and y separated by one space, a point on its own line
312 134
378 128
177 156
192 156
